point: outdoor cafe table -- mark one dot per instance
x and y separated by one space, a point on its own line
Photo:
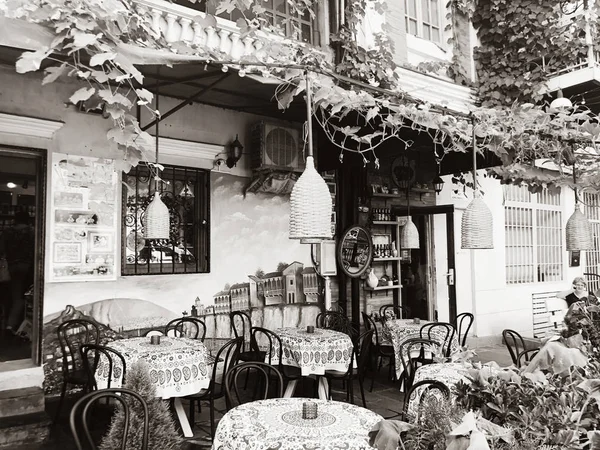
278 424
401 330
178 367
314 353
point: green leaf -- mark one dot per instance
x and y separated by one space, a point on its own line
81 95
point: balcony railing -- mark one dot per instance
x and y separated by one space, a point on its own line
176 23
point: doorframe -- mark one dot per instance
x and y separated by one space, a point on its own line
448 210
41 157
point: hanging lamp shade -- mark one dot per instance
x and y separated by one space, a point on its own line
409 236
157 219
561 103
311 205
579 232
477 225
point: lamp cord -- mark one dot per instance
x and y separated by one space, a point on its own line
156 103
309 151
475 186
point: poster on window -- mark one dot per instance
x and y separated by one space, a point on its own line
83 215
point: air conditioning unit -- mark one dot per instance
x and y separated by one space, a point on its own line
276 147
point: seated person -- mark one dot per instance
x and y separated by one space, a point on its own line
579 293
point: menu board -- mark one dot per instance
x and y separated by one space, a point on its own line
84 218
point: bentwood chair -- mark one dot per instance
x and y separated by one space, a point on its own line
113 364
265 373
413 354
226 357
394 312
336 321
266 342
362 346
381 351
72 334
515 344
444 330
189 327
463 323
135 423
526 356
427 386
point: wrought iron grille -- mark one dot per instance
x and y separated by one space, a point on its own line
186 193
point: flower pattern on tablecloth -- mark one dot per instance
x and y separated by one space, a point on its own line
401 330
178 366
447 373
266 424
314 353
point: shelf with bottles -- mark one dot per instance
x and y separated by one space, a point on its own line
382 216
385 252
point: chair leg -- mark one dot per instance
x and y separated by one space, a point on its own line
351 390
329 393
212 418
362 391
63 392
192 412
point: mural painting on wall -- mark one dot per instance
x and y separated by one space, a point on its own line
83 218
249 242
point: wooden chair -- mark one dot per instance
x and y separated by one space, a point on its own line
226 357
265 372
362 346
266 342
110 368
413 354
72 334
514 343
394 312
336 321
381 351
446 331
526 356
189 327
463 323
79 416
430 385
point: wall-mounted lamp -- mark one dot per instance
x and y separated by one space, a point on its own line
438 184
11 185
235 152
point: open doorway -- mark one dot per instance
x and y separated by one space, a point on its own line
22 174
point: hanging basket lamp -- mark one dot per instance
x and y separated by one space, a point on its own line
579 231
409 236
157 219
477 225
311 205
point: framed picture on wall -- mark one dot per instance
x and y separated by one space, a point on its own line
100 241
67 252
575 258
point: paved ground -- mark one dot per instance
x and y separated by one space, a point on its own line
385 399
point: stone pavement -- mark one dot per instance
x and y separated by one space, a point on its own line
385 399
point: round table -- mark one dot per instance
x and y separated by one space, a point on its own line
401 330
447 373
278 424
314 353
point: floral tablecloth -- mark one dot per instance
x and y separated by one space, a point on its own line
178 366
278 424
315 352
401 330
447 373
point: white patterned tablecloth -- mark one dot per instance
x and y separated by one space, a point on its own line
178 366
278 424
314 353
447 373
401 330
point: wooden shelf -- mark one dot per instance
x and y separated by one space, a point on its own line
383 288
390 258
403 195
385 222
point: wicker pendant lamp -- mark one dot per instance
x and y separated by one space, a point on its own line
477 227
157 224
409 236
578 229
310 200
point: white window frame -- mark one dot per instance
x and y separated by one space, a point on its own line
530 263
421 22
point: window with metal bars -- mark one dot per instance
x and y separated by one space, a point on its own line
533 236
591 202
186 192
424 19
277 13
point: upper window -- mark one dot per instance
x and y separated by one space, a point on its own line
533 236
424 19
186 194
278 13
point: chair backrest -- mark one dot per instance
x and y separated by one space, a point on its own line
426 387
371 325
362 351
226 357
72 334
242 327
526 356
268 343
264 372
412 354
442 332
394 312
189 327
463 323
514 343
127 398
335 320
113 364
